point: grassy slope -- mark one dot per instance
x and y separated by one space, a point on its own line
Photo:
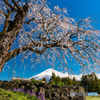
9 95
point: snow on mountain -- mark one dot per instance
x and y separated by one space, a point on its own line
48 73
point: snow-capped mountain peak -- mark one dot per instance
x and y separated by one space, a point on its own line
48 73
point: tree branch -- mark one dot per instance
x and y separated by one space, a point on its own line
6 24
28 22
28 46
1 11
18 1
8 4
15 3
38 51
26 2
64 36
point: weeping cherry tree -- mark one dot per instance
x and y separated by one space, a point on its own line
31 29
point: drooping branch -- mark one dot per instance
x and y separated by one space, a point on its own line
78 60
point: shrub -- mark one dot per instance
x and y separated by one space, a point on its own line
9 95
44 79
52 82
34 81
18 81
61 84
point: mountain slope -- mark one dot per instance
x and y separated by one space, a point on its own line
48 73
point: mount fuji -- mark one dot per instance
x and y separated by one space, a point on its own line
48 73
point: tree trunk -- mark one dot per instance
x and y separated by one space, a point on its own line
7 39
5 45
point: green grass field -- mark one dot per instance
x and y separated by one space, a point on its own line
92 98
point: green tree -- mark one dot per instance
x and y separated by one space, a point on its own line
44 79
58 79
90 82
99 86
94 82
74 81
53 76
78 83
64 80
69 82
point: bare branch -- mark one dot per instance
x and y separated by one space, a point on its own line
64 36
28 46
6 24
15 3
18 1
1 11
38 51
42 6
26 2
8 4
28 22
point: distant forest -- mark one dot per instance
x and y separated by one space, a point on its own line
90 82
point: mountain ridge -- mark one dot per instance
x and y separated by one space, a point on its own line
48 73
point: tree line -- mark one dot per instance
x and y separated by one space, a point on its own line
90 82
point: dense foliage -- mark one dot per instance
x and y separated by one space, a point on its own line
64 81
90 82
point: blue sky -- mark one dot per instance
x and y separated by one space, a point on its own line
77 9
